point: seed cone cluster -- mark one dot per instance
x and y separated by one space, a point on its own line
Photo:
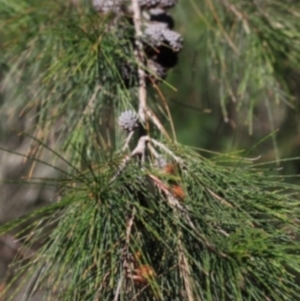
128 120
160 42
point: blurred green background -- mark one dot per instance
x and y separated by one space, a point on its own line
238 78
236 86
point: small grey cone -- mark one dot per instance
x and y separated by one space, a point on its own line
128 120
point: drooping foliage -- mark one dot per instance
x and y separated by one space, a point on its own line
138 216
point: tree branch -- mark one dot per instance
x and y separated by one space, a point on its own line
140 59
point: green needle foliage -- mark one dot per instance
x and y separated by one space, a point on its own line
241 60
125 226
232 238
65 65
247 46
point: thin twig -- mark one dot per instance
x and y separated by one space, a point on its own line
121 167
157 122
185 272
104 282
138 151
129 226
153 151
90 105
222 200
162 146
220 24
125 252
118 290
239 15
223 232
127 141
140 59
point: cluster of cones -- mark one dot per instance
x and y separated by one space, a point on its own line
160 42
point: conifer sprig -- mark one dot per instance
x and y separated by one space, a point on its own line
235 232
138 217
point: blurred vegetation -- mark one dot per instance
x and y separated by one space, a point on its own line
238 77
